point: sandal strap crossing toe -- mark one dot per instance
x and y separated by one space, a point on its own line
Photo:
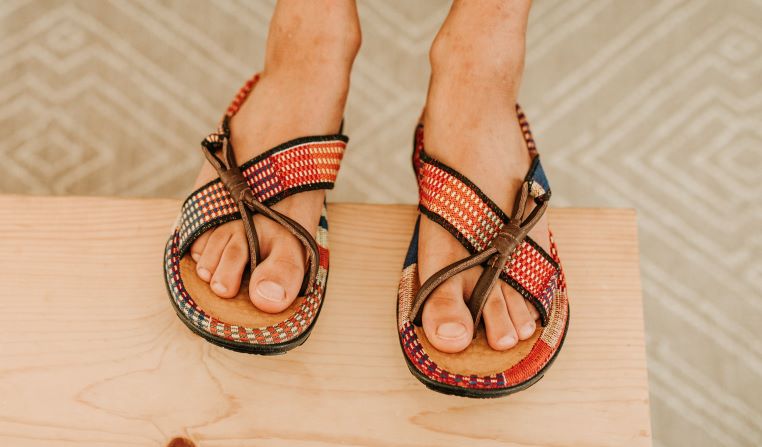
241 192
500 244
459 206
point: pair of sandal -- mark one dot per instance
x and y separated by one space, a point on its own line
497 242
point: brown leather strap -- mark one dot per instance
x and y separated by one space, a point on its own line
231 176
499 251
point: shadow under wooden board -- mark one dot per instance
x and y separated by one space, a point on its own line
92 354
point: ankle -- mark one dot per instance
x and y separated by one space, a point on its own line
296 44
490 54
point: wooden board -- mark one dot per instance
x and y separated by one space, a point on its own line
91 353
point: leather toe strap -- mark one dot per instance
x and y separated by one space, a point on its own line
233 179
503 248
493 258
219 152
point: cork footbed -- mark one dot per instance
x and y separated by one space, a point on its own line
479 358
239 310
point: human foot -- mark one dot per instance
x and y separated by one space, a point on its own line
471 125
301 92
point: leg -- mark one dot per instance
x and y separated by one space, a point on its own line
311 46
471 124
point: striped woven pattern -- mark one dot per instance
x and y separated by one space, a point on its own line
304 164
284 331
241 96
457 204
461 208
299 165
526 131
539 356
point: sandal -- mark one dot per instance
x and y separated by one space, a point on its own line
499 244
303 164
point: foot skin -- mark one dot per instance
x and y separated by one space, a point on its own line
302 92
471 125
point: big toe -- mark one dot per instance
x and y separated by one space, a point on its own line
447 321
276 281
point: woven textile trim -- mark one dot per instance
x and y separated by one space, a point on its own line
458 205
540 355
298 165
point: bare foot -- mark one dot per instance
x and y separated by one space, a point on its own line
302 92
471 125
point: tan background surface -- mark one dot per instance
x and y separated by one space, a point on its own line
655 105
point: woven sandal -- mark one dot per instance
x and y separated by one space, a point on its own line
499 244
303 164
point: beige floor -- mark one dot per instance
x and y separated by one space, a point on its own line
655 105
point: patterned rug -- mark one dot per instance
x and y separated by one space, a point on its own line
655 105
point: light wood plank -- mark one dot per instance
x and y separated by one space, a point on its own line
91 353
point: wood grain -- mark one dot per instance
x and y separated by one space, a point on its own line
91 353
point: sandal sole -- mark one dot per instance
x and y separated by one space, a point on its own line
247 348
452 390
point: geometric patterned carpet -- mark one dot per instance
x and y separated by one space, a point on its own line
655 105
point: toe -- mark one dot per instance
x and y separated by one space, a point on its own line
517 309
197 249
215 245
446 319
276 281
532 310
226 280
501 334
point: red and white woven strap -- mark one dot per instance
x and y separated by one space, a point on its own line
303 164
458 205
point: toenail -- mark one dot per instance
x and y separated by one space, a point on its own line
195 256
218 287
271 291
451 330
204 273
528 329
507 341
